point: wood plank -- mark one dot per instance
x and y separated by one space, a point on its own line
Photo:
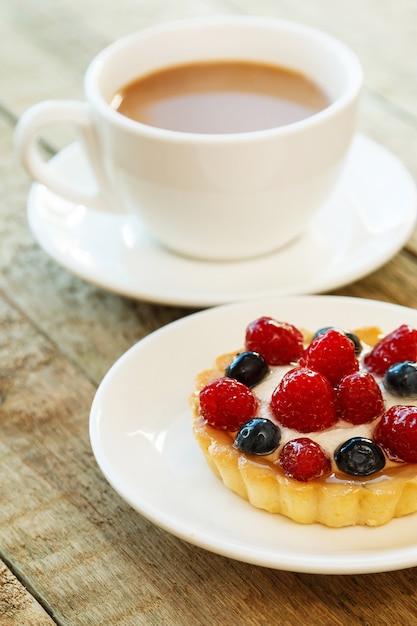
17 605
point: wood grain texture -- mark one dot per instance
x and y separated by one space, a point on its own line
17 605
73 553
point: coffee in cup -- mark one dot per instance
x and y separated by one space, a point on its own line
236 190
220 97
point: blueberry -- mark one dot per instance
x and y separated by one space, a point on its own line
258 436
401 379
349 335
248 368
356 342
359 456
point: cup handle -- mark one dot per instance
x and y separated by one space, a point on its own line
53 112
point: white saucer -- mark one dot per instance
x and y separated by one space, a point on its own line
368 220
140 431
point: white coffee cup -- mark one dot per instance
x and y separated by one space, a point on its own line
209 196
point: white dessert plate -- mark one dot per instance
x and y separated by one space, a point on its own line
140 430
368 220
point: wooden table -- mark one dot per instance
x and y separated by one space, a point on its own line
73 552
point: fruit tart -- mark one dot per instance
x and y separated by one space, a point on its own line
320 428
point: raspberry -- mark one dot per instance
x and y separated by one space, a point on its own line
303 459
400 345
397 433
304 400
227 404
278 342
359 398
332 354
